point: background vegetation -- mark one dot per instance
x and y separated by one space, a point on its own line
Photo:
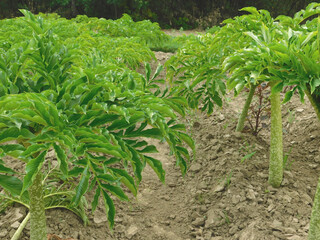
178 13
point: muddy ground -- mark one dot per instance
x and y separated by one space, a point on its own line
222 197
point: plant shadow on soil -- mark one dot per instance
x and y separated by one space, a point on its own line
221 197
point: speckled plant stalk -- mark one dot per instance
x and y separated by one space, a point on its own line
276 147
245 109
38 226
314 229
315 102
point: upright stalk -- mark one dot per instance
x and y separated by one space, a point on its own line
38 226
314 229
276 148
315 102
245 109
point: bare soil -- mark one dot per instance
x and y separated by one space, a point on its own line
221 197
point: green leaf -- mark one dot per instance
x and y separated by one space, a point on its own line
13 150
315 82
156 165
187 139
137 165
217 99
116 191
89 96
105 118
140 144
4 169
126 179
158 71
62 159
106 148
11 184
287 96
33 149
251 10
14 133
107 177
95 201
32 169
148 71
277 88
149 149
82 187
31 21
151 133
110 209
255 38
247 156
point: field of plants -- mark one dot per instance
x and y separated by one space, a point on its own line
218 141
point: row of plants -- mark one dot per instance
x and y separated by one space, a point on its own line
170 14
69 90
123 33
251 52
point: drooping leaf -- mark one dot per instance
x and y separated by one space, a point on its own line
62 158
12 184
126 179
116 191
156 165
82 187
32 169
109 207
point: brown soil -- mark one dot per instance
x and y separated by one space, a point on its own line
221 197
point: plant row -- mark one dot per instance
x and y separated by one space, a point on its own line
69 88
249 52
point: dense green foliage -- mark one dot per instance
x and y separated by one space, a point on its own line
177 13
70 88
251 50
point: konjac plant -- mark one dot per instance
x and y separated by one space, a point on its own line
91 113
235 55
246 49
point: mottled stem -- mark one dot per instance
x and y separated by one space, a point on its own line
276 147
315 102
314 229
245 109
38 226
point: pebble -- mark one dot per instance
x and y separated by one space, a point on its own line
132 230
198 222
3 233
17 216
196 167
216 238
15 225
250 195
220 187
202 185
11 233
100 217
75 235
233 230
276 225
221 117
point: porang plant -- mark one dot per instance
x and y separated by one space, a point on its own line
291 58
236 52
93 123
300 55
245 49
